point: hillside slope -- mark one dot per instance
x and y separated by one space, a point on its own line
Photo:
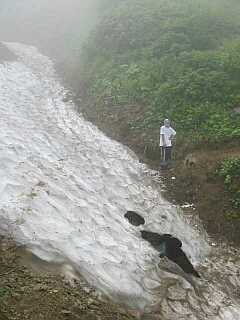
148 60
175 59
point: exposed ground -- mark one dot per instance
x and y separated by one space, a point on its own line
28 294
196 183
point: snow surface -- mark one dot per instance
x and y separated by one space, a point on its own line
65 188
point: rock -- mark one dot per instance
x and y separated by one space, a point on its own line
41 287
66 312
190 161
15 295
54 291
87 290
122 311
236 109
134 218
90 302
176 293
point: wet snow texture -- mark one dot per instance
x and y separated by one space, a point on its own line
65 188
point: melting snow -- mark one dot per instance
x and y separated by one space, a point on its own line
65 188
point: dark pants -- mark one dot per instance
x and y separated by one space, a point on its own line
166 153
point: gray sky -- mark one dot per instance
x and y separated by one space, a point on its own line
56 26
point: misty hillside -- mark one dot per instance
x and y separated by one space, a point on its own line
177 59
151 60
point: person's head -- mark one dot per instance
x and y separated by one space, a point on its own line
167 123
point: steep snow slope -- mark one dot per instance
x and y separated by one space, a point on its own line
65 188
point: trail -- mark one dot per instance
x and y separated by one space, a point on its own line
65 188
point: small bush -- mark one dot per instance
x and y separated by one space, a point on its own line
230 172
4 291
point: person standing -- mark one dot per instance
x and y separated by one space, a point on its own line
167 133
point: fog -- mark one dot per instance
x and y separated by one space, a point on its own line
56 27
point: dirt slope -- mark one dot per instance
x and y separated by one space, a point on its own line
26 294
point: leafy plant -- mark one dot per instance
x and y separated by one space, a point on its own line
177 59
4 291
229 170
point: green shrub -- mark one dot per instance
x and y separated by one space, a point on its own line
4 291
177 59
229 170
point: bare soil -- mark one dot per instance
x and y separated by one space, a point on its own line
198 184
26 294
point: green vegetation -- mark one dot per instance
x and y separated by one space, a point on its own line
230 172
4 292
176 59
